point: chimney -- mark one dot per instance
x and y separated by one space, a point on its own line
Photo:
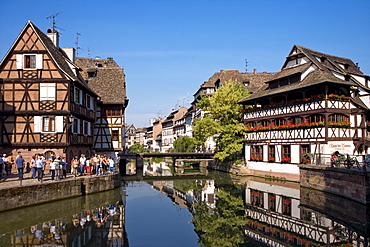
254 71
54 36
97 57
71 53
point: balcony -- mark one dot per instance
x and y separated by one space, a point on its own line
299 106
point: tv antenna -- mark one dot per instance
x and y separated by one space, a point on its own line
246 65
159 114
88 52
54 22
77 47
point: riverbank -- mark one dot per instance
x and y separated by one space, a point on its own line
16 193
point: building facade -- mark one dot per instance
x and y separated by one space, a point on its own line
317 104
45 105
107 80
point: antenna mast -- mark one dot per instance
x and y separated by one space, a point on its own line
246 65
77 47
52 25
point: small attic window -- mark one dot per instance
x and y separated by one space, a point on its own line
246 83
91 73
322 59
99 65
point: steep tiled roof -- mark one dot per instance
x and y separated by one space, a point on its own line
329 62
109 80
316 77
57 53
254 80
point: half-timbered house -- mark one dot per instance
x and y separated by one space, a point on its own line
316 104
107 79
45 105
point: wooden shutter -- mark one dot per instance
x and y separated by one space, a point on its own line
38 61
59 124
37 124
19 61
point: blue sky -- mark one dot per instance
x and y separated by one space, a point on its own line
168 48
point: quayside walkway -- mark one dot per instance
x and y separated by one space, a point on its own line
174 155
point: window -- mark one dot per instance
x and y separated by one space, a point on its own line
271 153
256 153
86 127
47 91
272 202
264 123
77 95
287 206
280 121
304 150
88 101
83 98
75 126
316 118
115 135
338 118
285 151
29 62
256 198
48 124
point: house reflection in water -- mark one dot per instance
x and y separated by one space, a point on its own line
284 214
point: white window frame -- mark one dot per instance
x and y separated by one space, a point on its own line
50 125
21 58
47 91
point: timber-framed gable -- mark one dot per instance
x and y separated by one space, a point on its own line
39 109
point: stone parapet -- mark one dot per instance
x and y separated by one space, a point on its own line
350 183
20 196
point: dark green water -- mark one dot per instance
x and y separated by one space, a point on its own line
190 206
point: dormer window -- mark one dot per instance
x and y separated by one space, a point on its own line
322 59
91 73
246 83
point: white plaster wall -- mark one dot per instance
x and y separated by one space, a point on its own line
338 76
273 167
309 69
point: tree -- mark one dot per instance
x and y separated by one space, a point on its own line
222 119
222 225
184 144
137 148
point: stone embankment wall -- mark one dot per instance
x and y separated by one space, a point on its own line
351 183
21 196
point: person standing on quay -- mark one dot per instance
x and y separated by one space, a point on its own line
33 166
52 168
82 164
6 164
57 163
20 165
39 164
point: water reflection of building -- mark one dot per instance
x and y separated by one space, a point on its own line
187 198
157 169
57 223
276 217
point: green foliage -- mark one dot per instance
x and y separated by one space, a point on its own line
137 148
222 119
186 185
184 144
222 225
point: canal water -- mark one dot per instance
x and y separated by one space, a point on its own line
186 205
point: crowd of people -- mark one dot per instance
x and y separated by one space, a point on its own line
57 166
